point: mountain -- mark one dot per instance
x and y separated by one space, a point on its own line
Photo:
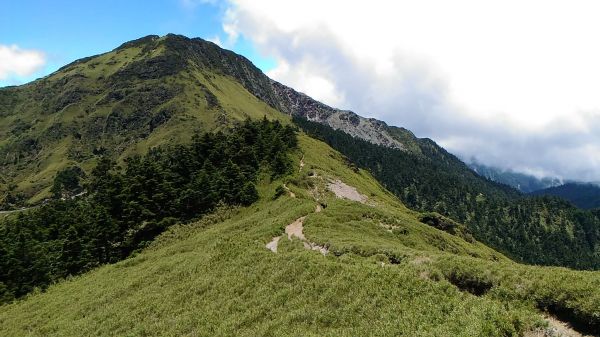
207 210
163 90
581 195
146 92
523 182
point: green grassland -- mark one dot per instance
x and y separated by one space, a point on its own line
386 274
118 103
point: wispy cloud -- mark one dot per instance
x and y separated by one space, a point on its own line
17 62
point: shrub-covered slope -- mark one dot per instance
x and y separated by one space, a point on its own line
385 273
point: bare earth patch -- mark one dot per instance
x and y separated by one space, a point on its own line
556 328
273 244
344 191
295 229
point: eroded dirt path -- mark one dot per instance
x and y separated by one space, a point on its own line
318 208
301 164
272 246
296 230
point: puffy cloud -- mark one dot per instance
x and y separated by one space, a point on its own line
15 61
510 83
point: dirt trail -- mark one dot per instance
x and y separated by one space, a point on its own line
17 210
556 328
295 229
301 164
344 191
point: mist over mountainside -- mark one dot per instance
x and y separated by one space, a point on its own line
521 181
581 194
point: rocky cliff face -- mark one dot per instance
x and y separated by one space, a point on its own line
298 104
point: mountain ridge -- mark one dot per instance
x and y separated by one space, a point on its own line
139 85
163 90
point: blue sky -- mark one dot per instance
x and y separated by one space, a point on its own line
68 30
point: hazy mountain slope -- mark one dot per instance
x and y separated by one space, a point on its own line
523 182
582 195
385 274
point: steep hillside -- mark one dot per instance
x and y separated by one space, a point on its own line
124 208
145 93
372 268
585 196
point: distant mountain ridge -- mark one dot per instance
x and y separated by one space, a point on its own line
582 195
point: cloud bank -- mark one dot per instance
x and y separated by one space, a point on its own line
18 62
512 83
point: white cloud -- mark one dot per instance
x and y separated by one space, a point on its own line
513 83
15 61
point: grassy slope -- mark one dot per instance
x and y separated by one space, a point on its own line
56 131
216 277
